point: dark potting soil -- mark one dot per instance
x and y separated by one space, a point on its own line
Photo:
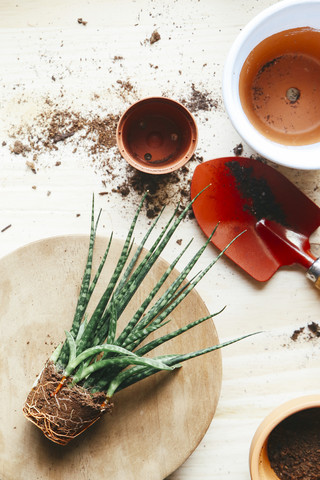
238 149
261 202
307 333
63 415
294 446
162 189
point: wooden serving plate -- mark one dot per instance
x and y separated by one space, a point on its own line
156 424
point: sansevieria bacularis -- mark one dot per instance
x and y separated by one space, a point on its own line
77 384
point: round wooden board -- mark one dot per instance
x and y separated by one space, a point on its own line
155 425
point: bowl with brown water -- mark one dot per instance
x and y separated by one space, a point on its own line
271 84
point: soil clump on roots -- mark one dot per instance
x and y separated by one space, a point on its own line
64 415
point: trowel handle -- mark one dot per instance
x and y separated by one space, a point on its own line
290 246
313 273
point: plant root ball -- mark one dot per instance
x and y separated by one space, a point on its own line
64 415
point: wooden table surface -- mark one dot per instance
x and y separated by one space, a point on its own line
77 66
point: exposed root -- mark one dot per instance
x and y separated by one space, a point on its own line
60 385
62 413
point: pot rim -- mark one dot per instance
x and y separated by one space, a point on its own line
275 417
283 15
164 168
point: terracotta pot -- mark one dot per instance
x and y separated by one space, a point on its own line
260 468
157 135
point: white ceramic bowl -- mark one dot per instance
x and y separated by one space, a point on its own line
284 15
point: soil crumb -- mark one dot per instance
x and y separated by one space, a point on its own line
19 148
296 334
238 150
314 330
82 22
155 37
6 228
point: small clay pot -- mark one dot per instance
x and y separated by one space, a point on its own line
260 468
157 135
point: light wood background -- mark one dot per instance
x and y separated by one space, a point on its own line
40 40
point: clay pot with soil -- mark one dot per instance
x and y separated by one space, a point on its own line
286 445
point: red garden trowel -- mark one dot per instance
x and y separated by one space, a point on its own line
247 195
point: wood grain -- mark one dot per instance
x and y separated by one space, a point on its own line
41 39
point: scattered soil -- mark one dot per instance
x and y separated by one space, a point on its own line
95 135
311 331
200 100
64 415
162 190
294 446
261 202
